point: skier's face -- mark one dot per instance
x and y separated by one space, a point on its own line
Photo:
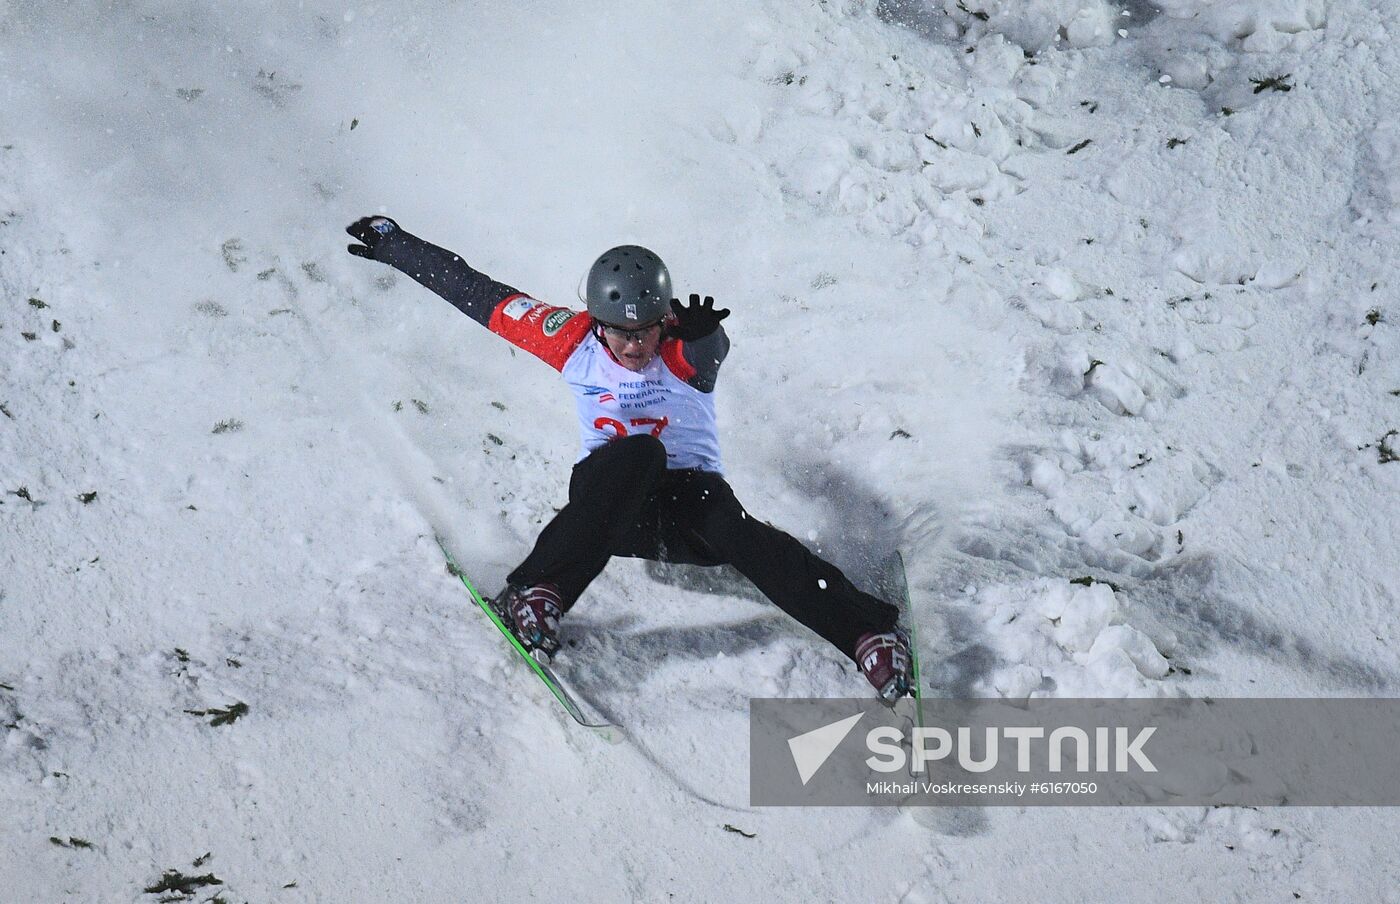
633 348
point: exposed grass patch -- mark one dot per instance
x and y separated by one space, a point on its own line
976 14
222 716
232 250
172 880
1386 449
1273 83
72 842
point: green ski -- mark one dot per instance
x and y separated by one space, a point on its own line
541 669
896 587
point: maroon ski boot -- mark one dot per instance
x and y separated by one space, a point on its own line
532 614
884 661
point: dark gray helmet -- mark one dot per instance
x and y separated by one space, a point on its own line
628 285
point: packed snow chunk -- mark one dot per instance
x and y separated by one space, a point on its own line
1137 646
742 124
1085 614
1055 596
1155 505
1134 537
777 64
1060 370
18 738
1117 391
1378 191
1038 85
970 295
954 170
853 192
1275 274
1192 775
1213 263
1093 25
1166 826
815 172
1060 283
976 124
1018 682
1129 184
1188 70
1267 40
1114 675
1038 24
1047 477
1237 20
996 61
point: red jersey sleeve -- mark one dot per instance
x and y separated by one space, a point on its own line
549 333
674 356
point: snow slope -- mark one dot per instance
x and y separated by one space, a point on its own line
1165 359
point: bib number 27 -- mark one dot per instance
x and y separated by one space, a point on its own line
657 424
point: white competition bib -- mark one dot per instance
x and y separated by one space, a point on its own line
613 402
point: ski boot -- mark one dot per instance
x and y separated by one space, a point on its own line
532 614
884 661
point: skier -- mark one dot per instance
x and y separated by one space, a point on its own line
648 483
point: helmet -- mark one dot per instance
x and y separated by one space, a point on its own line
628 285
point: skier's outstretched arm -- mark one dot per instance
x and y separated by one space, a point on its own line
703 342
549 333
471 292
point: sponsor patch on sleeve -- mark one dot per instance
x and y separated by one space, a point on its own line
518 308
556 320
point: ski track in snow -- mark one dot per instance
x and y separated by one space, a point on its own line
1163 361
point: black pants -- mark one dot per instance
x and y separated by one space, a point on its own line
624 502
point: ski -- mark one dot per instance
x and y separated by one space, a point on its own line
541 669
896 588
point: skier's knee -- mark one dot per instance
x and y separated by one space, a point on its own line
719 513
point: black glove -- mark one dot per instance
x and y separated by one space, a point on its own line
371 231
695 320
